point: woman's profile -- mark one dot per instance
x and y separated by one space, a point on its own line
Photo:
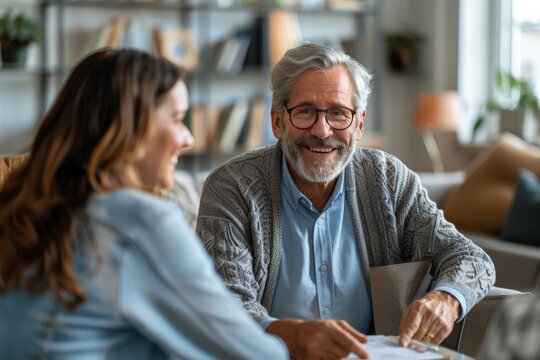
94 264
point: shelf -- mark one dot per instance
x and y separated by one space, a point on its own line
6 70
220 75
366 7
162 5
11 3
236 94
205 161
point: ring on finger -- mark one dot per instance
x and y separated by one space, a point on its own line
428 336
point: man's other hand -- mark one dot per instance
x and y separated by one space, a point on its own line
319 339
430 318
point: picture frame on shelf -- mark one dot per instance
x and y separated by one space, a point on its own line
178 46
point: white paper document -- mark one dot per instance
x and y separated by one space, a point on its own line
381 347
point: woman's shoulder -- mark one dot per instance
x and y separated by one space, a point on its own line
129 202
135 213
148 226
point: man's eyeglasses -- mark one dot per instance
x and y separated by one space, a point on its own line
304 117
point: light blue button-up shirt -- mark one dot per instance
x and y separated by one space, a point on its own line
320 274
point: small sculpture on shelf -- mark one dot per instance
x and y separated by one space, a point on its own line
17 32
403 51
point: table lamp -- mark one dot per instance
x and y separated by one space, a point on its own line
436 112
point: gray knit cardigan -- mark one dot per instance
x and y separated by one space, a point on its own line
394 221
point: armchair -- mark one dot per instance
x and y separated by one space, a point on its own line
517 266
393 287
397 289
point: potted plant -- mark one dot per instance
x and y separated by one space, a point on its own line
17 31
514 100
403 50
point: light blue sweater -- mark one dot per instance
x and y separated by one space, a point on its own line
152 293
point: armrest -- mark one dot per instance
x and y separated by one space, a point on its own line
393 287
468 335
439 185
518 266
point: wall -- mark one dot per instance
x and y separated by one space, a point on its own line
438 22
18 105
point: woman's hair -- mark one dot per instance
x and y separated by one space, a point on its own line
87 142
7 165
308 56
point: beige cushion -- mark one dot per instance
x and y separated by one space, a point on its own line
185 194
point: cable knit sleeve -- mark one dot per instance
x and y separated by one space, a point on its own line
417 230
225 221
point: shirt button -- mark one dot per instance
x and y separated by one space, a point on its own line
320 221
325 310
323 268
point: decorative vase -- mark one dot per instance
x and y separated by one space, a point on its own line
401 59
14 56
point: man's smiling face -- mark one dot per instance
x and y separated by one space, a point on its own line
319 154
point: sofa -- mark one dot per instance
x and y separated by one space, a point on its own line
517 266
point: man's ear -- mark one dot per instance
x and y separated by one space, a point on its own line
360 129
276 129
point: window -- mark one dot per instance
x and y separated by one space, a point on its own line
523 51
495 35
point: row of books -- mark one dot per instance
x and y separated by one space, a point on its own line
245 124
178 45
307 4
259 46
231 53
353 5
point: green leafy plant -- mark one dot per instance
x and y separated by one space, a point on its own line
511 93
18 30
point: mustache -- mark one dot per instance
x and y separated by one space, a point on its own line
313 141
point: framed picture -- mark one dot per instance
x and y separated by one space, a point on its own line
179 47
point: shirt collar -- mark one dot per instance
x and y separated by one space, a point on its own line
295 197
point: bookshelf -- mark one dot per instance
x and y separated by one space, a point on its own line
228 46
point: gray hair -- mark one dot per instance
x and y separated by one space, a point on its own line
308 56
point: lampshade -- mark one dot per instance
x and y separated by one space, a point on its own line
438 111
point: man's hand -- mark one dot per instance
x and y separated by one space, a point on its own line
319 339
430 318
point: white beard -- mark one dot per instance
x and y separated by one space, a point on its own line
319 170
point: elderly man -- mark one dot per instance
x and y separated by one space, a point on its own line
294 228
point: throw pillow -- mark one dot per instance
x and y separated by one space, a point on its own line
522 225
482 203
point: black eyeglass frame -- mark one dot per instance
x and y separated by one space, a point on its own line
325 111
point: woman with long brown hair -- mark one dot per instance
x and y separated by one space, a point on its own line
7 165
93 263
